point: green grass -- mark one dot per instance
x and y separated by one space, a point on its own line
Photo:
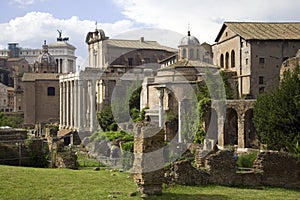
33 183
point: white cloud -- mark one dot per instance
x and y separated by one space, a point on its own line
206 17
24 3
32 29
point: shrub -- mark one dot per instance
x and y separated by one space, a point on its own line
246 160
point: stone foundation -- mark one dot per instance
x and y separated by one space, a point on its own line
270 168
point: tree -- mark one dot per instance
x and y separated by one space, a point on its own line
277 114
105 119
14 121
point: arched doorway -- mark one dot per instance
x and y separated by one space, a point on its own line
249 129
211 124
231 127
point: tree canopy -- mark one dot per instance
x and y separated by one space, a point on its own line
277 114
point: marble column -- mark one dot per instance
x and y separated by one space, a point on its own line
92 105
84 103
180 113
75 105
241 128
80 106
68 104
220 130
64 104
71 104
61 104
161 107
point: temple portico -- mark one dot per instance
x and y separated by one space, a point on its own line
78 100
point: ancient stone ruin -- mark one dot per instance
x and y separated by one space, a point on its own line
270 168
148 163
218 167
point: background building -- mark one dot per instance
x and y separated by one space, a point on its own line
61 50
255 52
89 91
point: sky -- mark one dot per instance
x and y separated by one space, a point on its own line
30 22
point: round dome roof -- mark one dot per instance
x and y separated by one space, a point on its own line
46 57
189 40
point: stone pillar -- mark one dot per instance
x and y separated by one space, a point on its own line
71 104
241 128
68 104
221 130
84 103
148 159
58 66
180 113
61 104
80 105
75 105
161 107
92 95
64 104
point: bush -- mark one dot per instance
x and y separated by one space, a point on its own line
127 155
105 119
113 126
246 160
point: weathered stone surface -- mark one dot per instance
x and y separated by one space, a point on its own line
279 169
13 134
182 172
221 167
272 168
148 162
66 160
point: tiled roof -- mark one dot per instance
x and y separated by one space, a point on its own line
264 30
137 44
40 76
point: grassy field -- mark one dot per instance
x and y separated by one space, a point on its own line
34 183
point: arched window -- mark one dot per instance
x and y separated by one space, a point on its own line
222 61
51 91
198 55
232 59
191 54
183 53
226 60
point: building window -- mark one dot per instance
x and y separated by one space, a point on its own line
226 60
222 61
130 61
232 58
261 80
198 56
51 91
261 90
261 60
247 61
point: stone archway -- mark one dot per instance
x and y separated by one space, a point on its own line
234 124
249 129
231 127
211 124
